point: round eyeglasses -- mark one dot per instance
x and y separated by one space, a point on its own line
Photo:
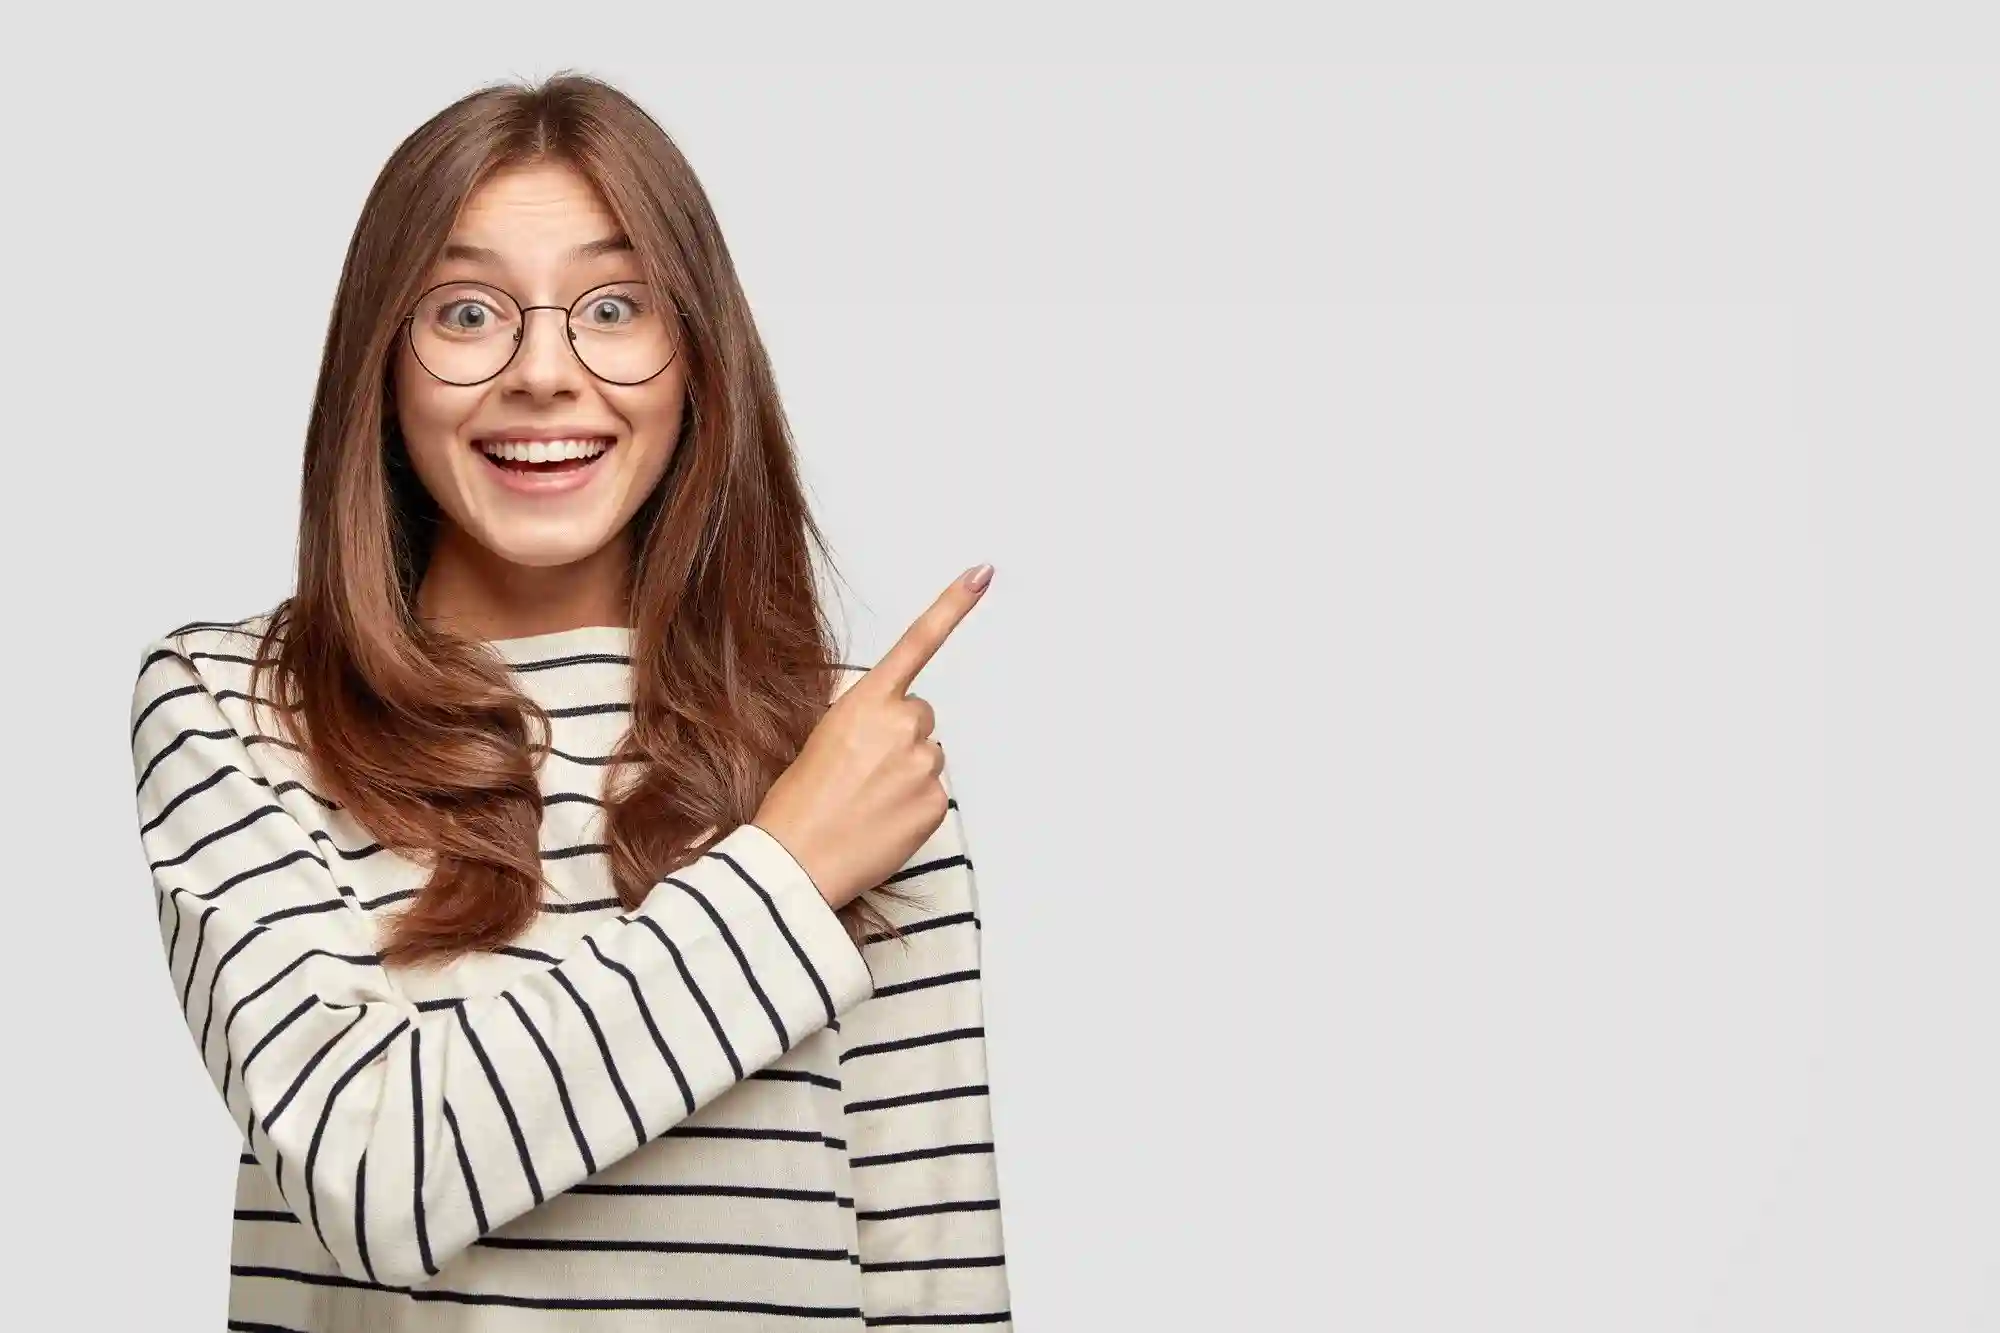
465 333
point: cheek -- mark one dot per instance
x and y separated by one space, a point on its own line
429 414
654 413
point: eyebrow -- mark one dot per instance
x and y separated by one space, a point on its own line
618 243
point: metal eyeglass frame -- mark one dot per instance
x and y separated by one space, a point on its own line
521 334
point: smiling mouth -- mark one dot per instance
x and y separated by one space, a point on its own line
545 456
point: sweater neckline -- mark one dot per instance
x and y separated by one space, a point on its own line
615 639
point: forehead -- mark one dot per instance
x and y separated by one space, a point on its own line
537 211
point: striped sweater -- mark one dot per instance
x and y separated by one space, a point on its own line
710 1112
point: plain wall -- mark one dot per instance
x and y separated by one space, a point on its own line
1479 750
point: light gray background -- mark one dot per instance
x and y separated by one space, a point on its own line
1480 749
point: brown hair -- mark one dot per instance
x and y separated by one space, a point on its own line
418 732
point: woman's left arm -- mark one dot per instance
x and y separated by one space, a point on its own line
919 1123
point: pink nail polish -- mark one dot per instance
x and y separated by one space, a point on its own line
976 578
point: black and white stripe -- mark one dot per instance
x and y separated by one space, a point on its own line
713 1104
919 1121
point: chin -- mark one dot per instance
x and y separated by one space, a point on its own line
544 552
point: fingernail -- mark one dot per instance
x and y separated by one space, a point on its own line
976 577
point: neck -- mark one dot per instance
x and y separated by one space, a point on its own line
472 591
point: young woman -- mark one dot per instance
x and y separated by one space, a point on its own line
572 937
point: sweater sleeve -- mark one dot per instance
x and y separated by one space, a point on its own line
918 1119
403 1132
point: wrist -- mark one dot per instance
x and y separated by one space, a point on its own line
808 862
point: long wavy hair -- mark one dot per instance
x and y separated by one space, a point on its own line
418 732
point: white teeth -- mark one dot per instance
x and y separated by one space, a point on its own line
543 451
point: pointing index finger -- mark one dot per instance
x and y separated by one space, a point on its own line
897 671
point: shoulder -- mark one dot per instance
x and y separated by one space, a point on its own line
215 655
208 637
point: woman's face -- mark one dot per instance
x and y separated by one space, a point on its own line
543 464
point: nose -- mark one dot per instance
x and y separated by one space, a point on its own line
544 364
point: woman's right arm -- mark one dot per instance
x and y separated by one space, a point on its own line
401 1134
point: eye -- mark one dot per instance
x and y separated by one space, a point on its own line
467 310
611 310
468 315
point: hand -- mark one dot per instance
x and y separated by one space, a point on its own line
865 791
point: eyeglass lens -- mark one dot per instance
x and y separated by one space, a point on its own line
466 332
